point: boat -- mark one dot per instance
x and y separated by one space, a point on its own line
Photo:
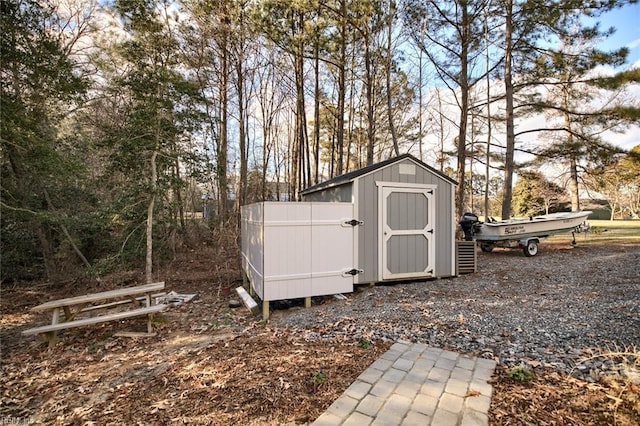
522 233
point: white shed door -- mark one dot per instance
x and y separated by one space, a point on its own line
308 249
407 240
332 248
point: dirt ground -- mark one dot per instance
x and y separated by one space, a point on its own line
208 364
211 364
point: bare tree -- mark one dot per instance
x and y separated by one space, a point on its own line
452 42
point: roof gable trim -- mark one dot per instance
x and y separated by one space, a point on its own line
351 176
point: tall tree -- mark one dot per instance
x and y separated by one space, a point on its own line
215 56
486 205
341 64
391 15
369 21
508 88
286 25
222 40
154 116
241 77
534 32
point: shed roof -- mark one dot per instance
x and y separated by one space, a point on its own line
351 176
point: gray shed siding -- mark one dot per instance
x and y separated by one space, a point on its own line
362 190
367 210
341 194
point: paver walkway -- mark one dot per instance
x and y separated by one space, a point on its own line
412 384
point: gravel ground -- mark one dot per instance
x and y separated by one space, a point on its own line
560 309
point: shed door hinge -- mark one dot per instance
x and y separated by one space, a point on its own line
354 222
353 272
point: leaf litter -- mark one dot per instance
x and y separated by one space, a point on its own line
210 364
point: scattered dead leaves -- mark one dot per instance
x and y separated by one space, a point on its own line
555 399
213 365
263 377
208 364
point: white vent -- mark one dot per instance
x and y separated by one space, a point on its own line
407 169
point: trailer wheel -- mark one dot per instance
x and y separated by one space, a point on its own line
486 247
531 248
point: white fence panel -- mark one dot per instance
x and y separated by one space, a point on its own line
332 246
295 250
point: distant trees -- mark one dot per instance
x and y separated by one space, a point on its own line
534 194
618 181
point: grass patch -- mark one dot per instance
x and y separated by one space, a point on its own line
364 343
605 231
520 374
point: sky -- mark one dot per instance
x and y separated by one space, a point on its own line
627 22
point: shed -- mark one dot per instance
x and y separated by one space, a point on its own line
405 210
390 221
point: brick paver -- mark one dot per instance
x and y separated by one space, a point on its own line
412 384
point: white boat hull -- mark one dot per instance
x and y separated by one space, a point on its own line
538 226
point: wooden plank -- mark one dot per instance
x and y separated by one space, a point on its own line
93 297
134 334
247 300
119 302
95 320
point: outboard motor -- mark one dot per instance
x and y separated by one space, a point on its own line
467 222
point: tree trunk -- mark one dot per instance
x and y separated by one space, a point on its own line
573 163
420 118
242 134
150 209
509 165
341 86
573 184
441 117
45 249
371 131
65 231
392 128
464 112
489 123
297 140
223 130
316 114
351 114
307 156
242 114
176 191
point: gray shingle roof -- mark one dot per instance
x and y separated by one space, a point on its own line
349 177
